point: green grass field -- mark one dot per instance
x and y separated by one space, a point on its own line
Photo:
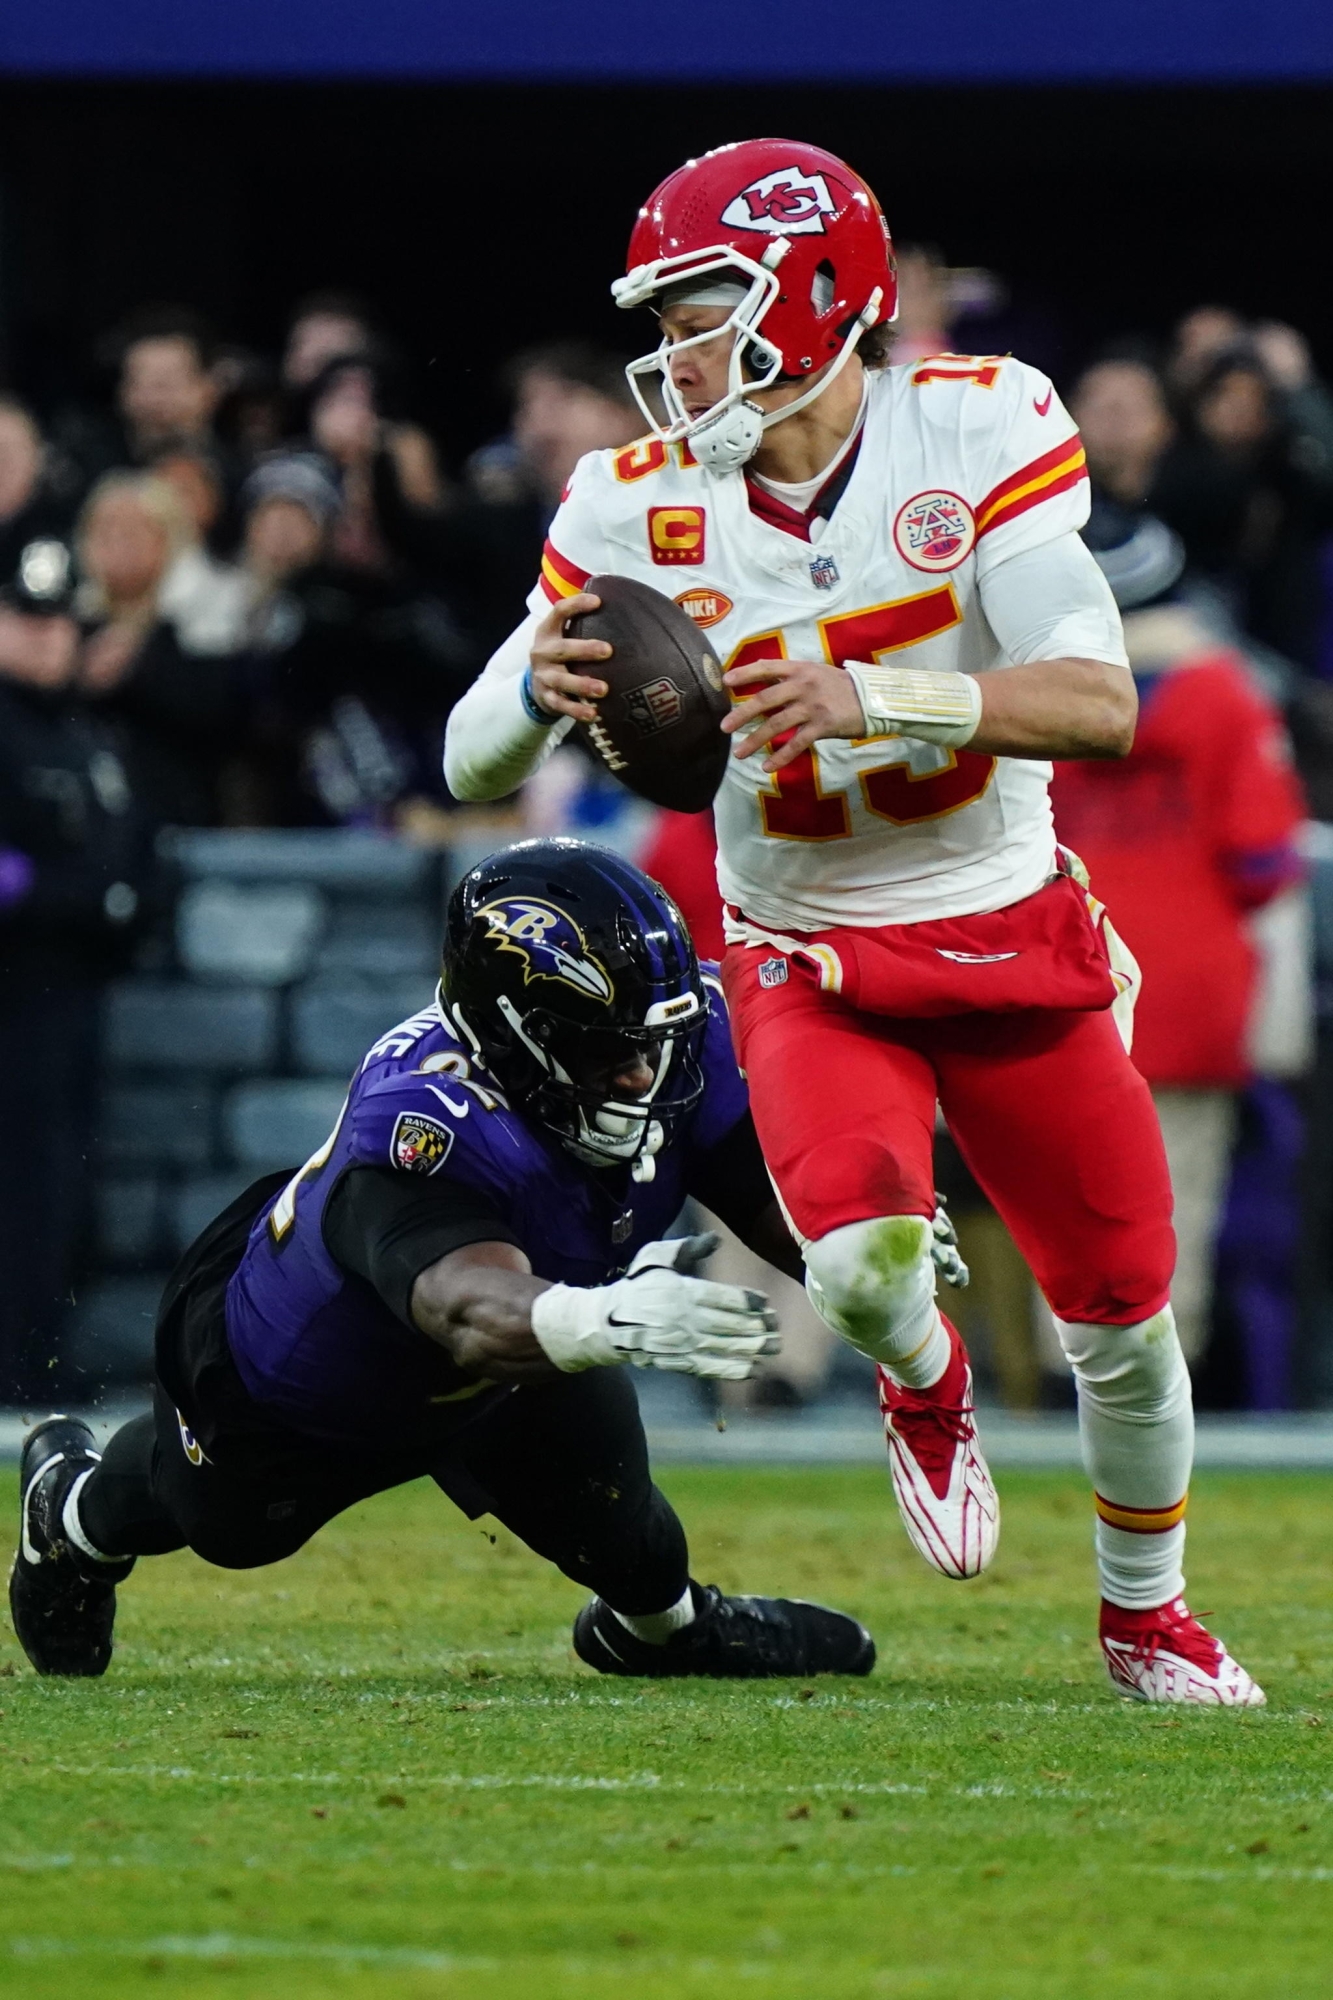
378 1770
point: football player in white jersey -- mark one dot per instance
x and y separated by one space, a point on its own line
888 559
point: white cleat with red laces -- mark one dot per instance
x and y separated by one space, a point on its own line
1166 1655
942 1483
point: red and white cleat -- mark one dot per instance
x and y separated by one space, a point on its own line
1166 1655
942 1483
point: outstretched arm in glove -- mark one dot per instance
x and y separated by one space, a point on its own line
483 1304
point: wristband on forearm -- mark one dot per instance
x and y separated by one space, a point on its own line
908 701
531 707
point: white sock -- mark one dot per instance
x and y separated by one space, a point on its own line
1140 1571
923 1367
874 1283
1136 1420
73 1526
656 1627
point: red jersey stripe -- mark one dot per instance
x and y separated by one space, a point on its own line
559 576
1052 473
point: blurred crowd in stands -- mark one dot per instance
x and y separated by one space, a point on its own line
244 591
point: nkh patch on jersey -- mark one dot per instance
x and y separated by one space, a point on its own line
705 607
419 1144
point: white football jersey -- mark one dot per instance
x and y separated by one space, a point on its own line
964 462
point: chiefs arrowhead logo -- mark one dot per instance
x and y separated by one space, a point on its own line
785 203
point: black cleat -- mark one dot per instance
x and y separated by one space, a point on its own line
731 1638
62 1602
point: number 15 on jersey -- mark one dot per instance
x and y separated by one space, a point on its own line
798 807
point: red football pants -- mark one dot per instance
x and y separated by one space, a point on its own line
1052 1118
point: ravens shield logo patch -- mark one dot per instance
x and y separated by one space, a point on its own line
419 1144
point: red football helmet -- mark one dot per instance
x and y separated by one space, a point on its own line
794 243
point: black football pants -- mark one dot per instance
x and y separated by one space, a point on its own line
564 1465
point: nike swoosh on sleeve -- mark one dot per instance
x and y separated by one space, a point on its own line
1044 405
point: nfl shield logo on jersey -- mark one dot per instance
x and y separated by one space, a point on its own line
773 972
823 572
934 531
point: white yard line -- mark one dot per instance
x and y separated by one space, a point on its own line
222 1945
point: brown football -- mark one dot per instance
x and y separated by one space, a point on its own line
657 730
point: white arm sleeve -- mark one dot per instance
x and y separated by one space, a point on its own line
491 743
1053 603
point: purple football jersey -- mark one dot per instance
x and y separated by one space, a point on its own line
318 1345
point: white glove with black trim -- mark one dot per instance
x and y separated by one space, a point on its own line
658 1316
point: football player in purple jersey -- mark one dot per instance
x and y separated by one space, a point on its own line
452 1285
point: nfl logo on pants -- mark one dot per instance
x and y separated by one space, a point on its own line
773 972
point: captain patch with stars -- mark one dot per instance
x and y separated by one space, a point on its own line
419 1144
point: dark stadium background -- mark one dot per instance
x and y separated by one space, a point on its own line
480 217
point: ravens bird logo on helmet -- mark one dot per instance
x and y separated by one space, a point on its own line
549 942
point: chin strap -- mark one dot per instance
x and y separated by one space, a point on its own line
729 440
725 442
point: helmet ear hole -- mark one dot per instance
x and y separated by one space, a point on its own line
823 288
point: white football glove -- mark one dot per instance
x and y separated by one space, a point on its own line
944 1252
658 1316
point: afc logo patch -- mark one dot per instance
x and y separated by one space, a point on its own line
676 534
773 972
934 531
419 1144
655 705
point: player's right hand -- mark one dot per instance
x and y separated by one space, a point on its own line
658 1316
554 686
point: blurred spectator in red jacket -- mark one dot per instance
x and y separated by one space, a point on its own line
1183 840
682 856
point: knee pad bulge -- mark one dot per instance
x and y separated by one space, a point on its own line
1133 1371
874 1281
